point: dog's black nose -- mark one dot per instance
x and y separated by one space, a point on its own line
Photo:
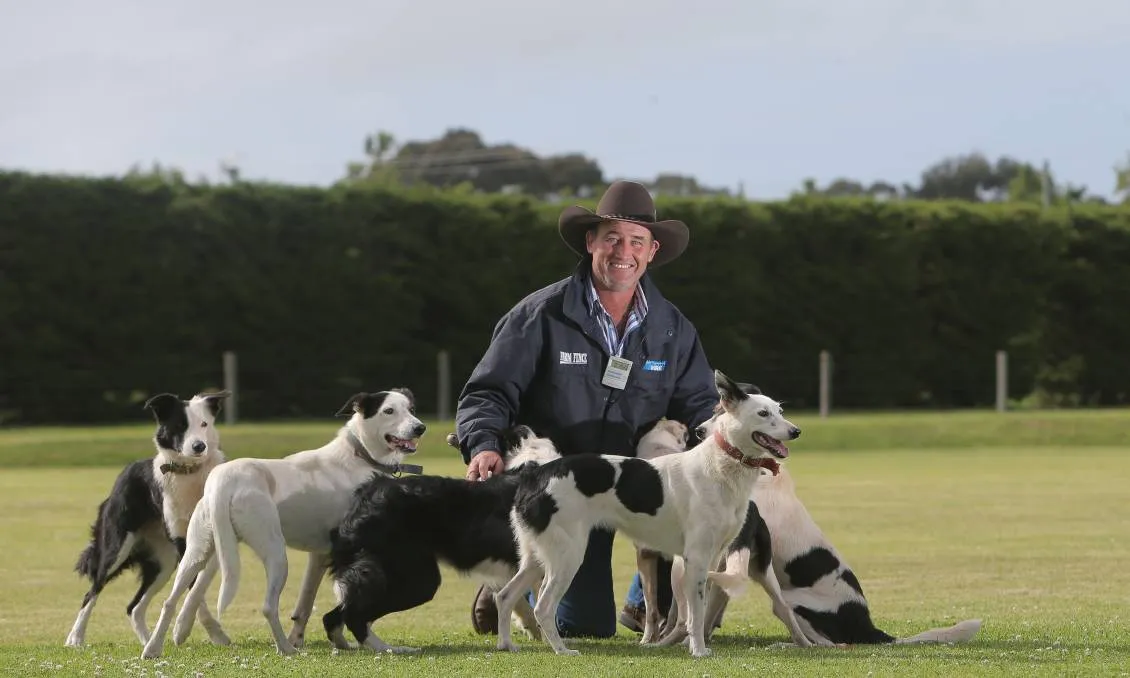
794 433
419 430
199 446
700 432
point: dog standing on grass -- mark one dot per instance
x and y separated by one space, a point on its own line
143 522
296 501
689 506
752 545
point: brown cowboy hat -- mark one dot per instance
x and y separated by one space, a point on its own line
625 201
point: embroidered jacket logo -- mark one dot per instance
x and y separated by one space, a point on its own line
568 358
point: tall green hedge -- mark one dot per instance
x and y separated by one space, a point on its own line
114 289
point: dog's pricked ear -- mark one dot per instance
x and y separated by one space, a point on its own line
511 438
728 390
359 402
749 389
163 404
214 401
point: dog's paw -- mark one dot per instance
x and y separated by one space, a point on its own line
403 649
218 637
702 652
507 646
566 652
297 642
338 641
534 634
73 642
151 651
286 649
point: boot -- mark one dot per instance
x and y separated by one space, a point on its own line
484 613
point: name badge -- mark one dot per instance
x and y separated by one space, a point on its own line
616 374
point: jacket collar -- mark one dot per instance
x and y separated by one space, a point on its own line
657 329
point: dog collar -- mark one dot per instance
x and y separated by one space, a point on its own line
729 450
179 469
391 469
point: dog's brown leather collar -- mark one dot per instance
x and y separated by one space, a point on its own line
180 469
729 450
391 469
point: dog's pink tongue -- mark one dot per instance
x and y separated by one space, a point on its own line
772 443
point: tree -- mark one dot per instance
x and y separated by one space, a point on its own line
379 149
969 177
461 156
1122 180
843 187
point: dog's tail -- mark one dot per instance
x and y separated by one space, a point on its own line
227 545
958 633
735 578
87 564
88 560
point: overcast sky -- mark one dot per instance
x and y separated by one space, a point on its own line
765 92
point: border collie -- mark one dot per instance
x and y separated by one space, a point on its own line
387 551
815 581
688 506
142 524
295 502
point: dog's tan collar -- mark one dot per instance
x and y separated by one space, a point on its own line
729 450
391 469
180 469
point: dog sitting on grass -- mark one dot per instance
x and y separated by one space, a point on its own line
816 582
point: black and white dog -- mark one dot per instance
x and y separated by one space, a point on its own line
142 524
688 506
815 581
387 551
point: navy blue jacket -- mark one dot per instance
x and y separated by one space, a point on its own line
545 364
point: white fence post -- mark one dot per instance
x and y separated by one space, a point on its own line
443 392
825 383
230 384
1002 381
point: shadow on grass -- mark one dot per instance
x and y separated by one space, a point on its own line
730 646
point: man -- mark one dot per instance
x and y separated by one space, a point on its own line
591 361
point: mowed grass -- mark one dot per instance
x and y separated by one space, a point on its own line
1021 520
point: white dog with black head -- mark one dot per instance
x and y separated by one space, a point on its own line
295 502
688 506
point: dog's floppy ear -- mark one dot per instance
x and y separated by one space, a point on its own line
365 403
407 393
453 440
214 401
162 405
729 393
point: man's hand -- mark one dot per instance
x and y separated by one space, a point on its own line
484 465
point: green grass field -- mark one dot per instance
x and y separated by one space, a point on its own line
1022 520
